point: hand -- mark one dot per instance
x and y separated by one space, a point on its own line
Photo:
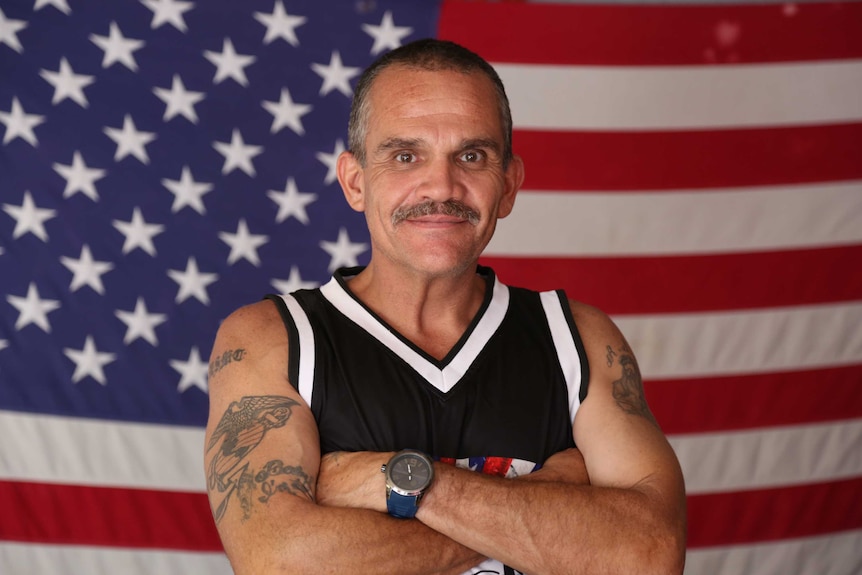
353 479
566 466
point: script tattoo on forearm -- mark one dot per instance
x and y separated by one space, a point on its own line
230 475
230 356
628 390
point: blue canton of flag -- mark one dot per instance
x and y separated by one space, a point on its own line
162 163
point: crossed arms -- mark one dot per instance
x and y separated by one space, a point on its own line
615 505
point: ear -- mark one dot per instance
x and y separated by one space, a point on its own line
514 178
350 176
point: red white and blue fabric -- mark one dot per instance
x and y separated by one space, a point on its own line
693 170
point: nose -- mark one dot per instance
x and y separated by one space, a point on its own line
441 181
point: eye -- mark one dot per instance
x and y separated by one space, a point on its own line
472 156
405 157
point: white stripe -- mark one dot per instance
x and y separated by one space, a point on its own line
29 559
170 458
690 345
681 222
771 457
683 97
570 361
443 379
305 385
836 554
85 452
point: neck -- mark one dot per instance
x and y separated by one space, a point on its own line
432 312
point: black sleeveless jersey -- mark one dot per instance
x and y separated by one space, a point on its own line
507 392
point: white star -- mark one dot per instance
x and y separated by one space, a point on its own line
287 113
178 100
192 282
140 323
387 36
19 124
130 141
32 309
87 271
117 48
243 244
89 361
237 154
280 24
193 372
60 5
139 234
343 251
336 76
79 177
168 12
29 218
293 283
187 192
9 32
3 344
229 64
67 84
291 202
330 161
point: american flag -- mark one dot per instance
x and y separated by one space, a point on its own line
693 170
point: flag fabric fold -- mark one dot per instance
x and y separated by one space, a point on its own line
694 171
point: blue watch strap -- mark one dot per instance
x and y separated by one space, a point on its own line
402 506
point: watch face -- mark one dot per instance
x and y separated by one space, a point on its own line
410 472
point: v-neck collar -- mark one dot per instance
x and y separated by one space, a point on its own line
442 374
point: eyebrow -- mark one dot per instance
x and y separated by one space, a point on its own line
411 143
398 144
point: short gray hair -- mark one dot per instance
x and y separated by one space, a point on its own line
427 54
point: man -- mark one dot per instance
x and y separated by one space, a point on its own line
423 350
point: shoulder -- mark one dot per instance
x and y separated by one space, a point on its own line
596 328
253 333
249 321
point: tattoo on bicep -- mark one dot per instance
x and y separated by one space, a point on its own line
230 356
611 355
628 390
229 473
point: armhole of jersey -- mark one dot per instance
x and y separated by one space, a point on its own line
570 349
301 341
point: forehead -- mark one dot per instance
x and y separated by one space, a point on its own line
404 96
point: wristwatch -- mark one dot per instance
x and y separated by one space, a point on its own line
408 475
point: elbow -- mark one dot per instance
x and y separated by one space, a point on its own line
663 553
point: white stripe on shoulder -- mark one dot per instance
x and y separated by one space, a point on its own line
305 385
567 352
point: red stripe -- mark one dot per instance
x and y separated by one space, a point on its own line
74 515
715 404
654 35
632 285
773 514
689 159
79 515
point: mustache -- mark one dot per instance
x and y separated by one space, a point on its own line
453 208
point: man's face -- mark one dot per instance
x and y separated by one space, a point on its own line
434 183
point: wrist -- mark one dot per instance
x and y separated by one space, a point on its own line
408 475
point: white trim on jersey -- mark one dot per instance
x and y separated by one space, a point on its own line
305 385
443 379
567 352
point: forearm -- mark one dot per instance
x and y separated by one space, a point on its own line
522 523
366 541
303 537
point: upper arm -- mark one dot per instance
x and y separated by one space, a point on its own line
617 434
261 451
